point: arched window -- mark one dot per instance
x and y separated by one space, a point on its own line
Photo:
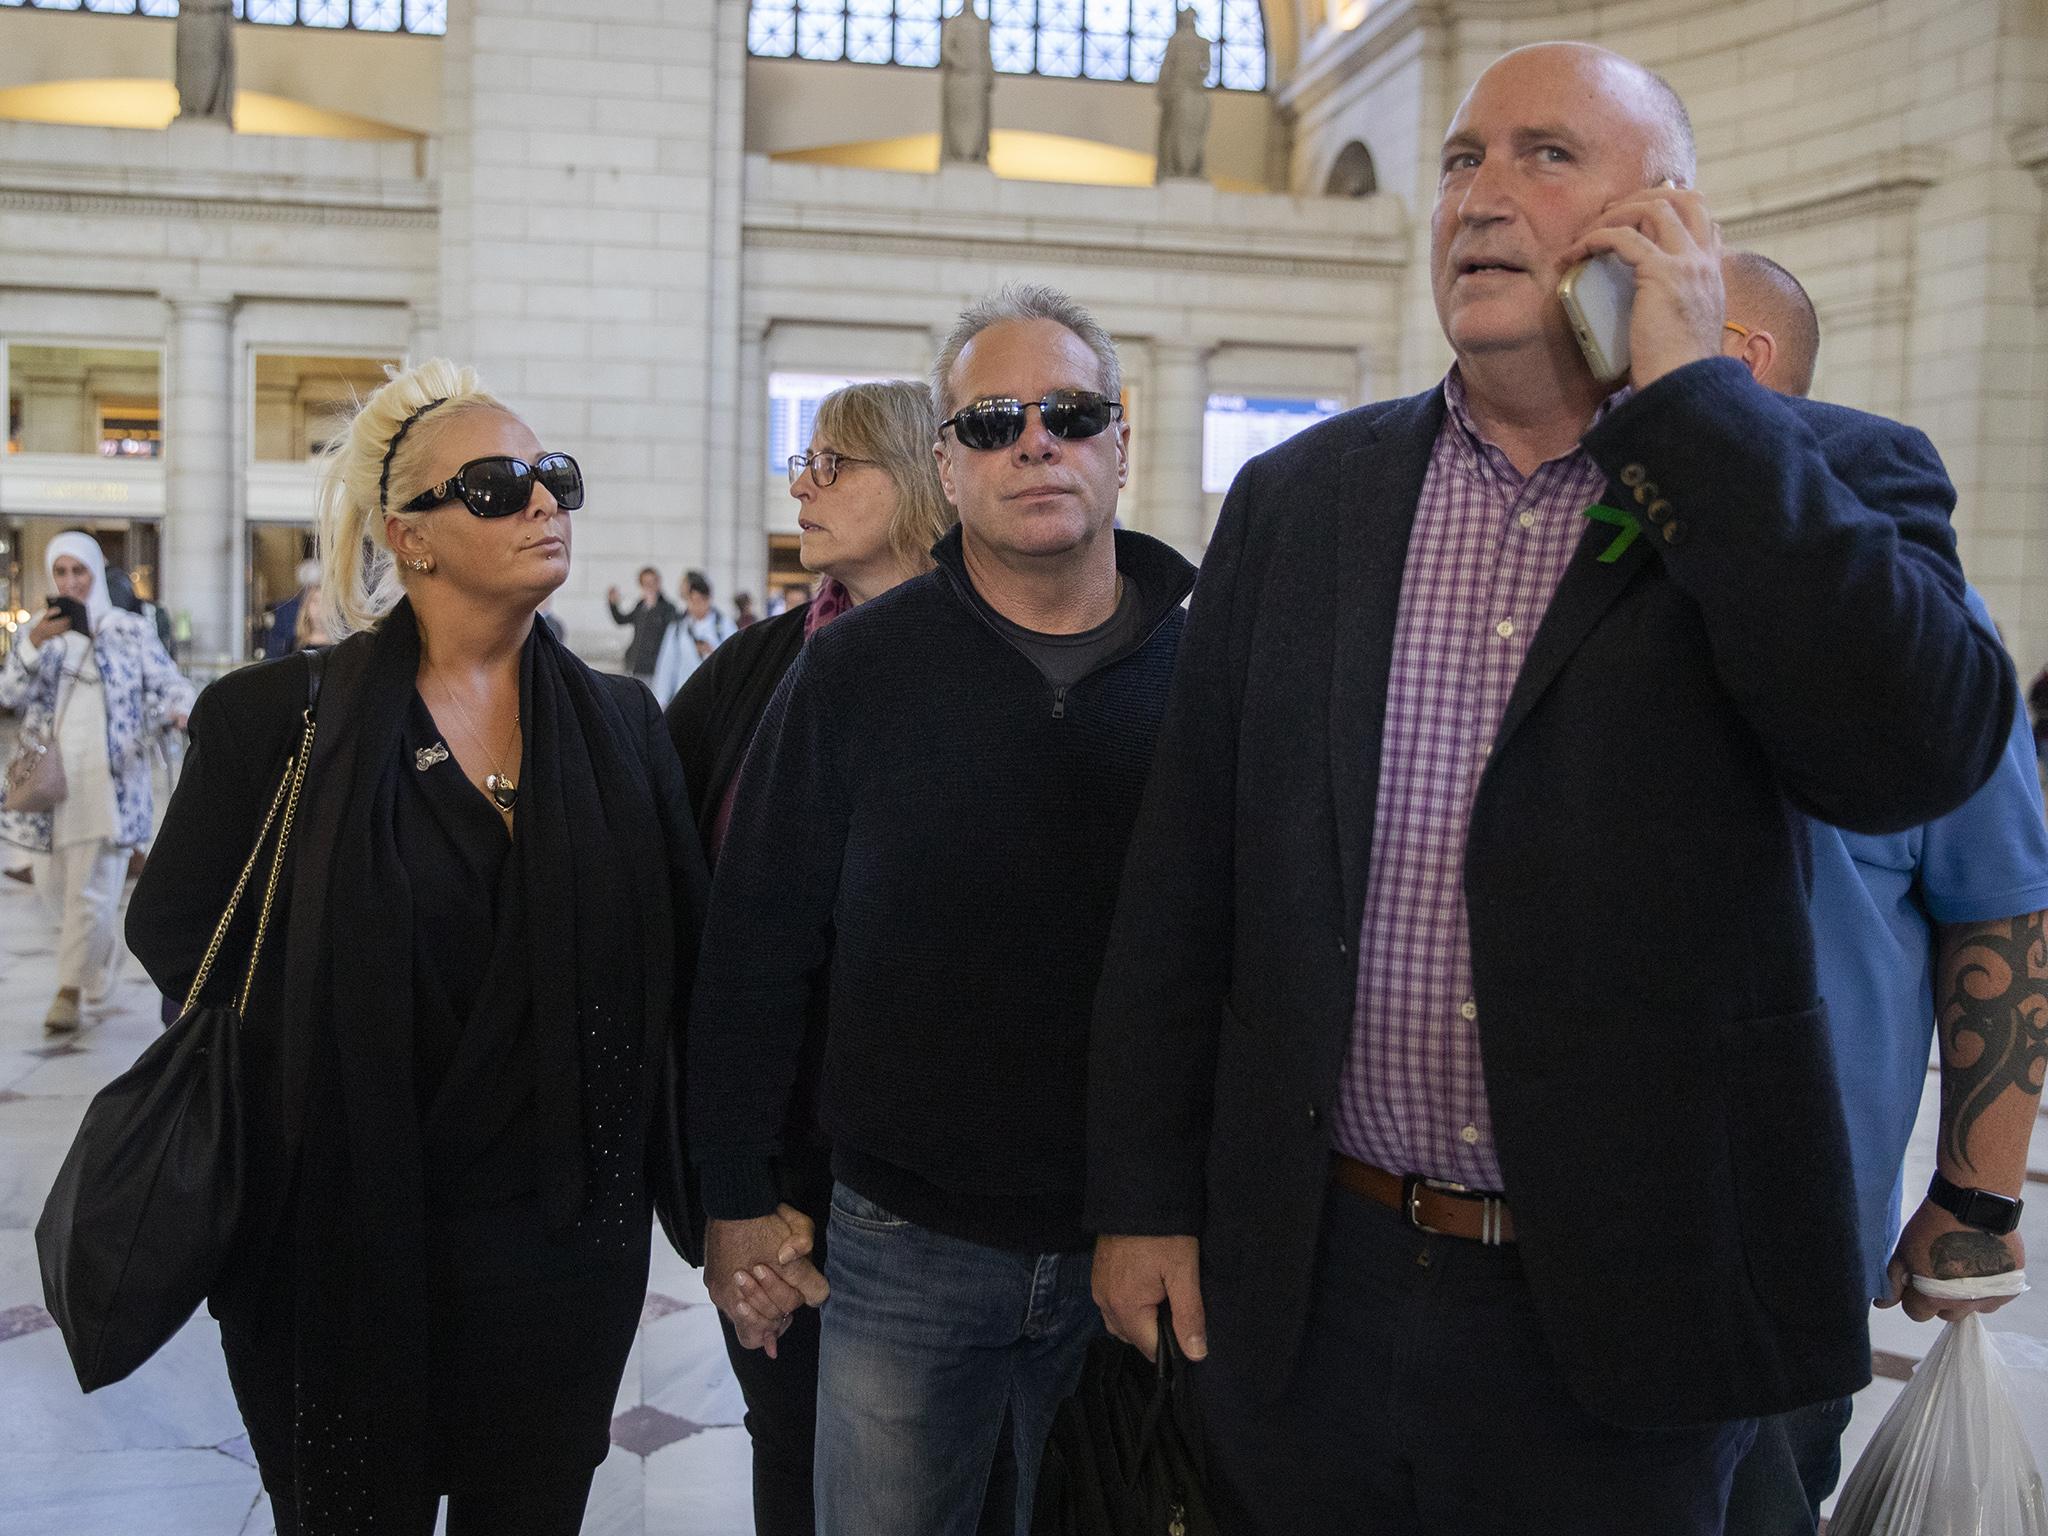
1352 173
1077 39
427 17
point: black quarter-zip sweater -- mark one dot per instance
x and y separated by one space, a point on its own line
923 811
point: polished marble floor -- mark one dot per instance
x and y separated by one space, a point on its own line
162 1454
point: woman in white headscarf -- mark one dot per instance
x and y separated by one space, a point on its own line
101 694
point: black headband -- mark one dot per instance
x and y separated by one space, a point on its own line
405 426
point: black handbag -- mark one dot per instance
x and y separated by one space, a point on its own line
144 1212
1125 1454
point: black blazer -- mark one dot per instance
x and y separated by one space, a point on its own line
1789 636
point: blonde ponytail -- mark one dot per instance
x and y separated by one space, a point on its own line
359 580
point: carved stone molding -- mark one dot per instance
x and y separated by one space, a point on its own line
1887 181
1037 248
214 210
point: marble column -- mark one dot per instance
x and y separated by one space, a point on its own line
1180 393
200 563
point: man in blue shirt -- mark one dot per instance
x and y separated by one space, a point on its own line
1940 925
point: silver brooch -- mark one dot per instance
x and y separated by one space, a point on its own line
425 757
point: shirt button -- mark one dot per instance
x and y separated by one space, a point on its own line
1633 475
1469 1135
1468 1010
1527 519
1505 628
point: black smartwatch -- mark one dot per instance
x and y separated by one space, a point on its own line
1979 1208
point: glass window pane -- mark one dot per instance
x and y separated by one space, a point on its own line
1108 56
1153 18
869 39
323 13
1146 52
1109 15
821 32
272 13
1011 47
111 7
159 7
427 17
917 43
771 30
377 15
1013 13
1059 51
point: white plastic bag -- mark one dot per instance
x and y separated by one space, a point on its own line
1951 1458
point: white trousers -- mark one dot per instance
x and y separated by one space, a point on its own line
81 889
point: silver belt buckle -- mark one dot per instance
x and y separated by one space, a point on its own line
1492 1208
1411 1200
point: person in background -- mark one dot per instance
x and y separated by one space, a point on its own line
1457 1068
310 630
459 1096
743 613
793 595
872 508
697 631
1934 930
650 617
936 807
100 686
281 639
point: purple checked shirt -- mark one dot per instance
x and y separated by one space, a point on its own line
1486 554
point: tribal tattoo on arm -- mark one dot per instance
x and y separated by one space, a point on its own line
1993 1016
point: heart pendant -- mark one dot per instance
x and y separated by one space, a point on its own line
502 790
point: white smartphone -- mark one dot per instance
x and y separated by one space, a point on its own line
1597 296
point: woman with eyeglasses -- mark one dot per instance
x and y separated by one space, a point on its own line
458 1052
872 508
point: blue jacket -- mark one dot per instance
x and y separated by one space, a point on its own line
1788 635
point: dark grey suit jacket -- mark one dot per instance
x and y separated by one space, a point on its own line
1788 636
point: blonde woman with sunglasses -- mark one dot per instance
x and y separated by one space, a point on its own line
460 1046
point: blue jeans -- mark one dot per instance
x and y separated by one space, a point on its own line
931 1346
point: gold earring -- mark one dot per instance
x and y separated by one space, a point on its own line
422 564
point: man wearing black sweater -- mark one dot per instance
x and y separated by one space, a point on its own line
937 804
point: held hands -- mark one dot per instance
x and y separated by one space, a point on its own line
1935 1244
1134 1274
49 627
759 1272
1665 234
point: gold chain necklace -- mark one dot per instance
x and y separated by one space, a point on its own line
499 786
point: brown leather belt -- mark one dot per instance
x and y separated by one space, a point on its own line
1431 1205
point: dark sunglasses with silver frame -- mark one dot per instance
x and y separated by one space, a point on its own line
500 485
1070 414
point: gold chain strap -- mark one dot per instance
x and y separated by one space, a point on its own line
295 773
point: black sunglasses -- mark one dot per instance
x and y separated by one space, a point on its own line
1071 414
502 485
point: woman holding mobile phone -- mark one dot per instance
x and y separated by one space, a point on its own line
95 683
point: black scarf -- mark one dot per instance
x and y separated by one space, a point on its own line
604 884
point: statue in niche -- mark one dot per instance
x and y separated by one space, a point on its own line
1184 101
967 80
206 60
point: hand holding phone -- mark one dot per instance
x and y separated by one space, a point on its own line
1598 294
1671 310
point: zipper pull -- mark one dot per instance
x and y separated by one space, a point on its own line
1059 703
